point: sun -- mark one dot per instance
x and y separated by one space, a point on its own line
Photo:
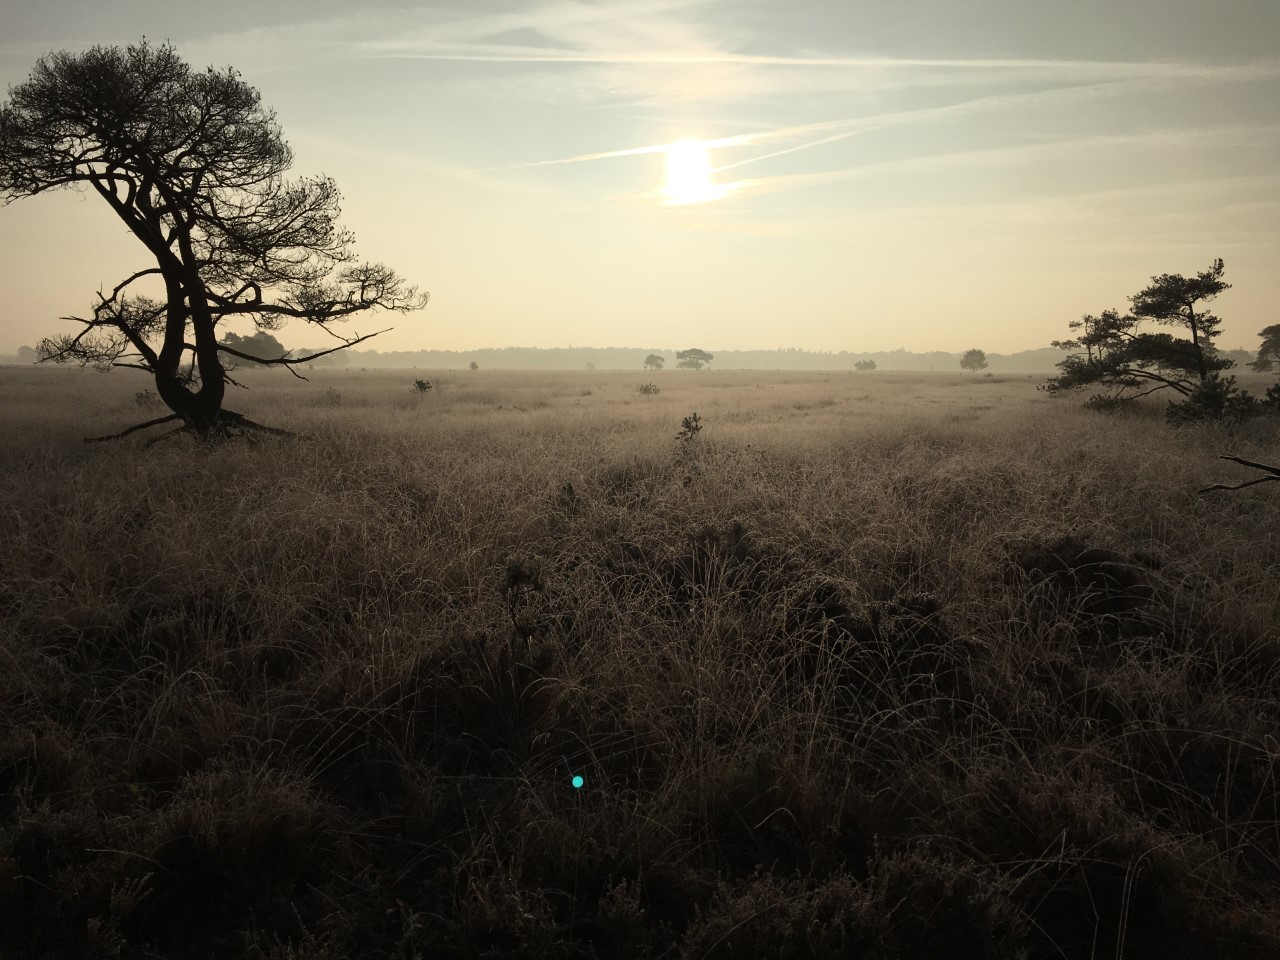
690 176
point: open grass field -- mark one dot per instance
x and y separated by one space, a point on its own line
877 665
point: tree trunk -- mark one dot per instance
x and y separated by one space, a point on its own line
200 411
1201 367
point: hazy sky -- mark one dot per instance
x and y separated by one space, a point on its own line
935 174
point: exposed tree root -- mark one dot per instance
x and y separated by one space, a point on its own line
229 419
133 429
227 425
1273 473
165 436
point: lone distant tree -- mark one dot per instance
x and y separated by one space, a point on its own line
27 355
693 359
864 365
654 362
260 347
1128 363
473 365
1269 352
974 360
194 166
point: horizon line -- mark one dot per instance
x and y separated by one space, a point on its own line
995 353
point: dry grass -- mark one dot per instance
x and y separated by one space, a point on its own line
882 665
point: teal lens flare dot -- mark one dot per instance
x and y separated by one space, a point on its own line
577 782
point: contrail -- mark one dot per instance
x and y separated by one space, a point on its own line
509 54
849 127
631 152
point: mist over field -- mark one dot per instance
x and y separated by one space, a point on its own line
622 358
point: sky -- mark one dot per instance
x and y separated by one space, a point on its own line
737 174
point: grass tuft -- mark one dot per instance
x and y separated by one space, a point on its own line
938 669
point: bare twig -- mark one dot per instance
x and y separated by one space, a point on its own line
124 283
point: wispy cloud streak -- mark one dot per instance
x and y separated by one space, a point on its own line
850 127
1250 136
514 54
661 51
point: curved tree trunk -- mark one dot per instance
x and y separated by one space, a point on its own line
199 410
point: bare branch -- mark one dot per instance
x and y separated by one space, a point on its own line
1145 393
1250 463
1239 486
290 361
284 361
124 283
1273 474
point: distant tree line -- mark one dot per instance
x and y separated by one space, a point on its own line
638 358
1042 360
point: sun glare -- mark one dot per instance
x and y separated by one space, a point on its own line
690 176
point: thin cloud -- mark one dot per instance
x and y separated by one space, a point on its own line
1095 217
1089 209
515 54
628 37
1248 135
630 152
636 34
469 177
850 127
977 105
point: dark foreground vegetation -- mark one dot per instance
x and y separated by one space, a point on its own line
936 671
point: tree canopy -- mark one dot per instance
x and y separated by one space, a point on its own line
1269 353
974 360
194 165
1173 300
1128 362
654 362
